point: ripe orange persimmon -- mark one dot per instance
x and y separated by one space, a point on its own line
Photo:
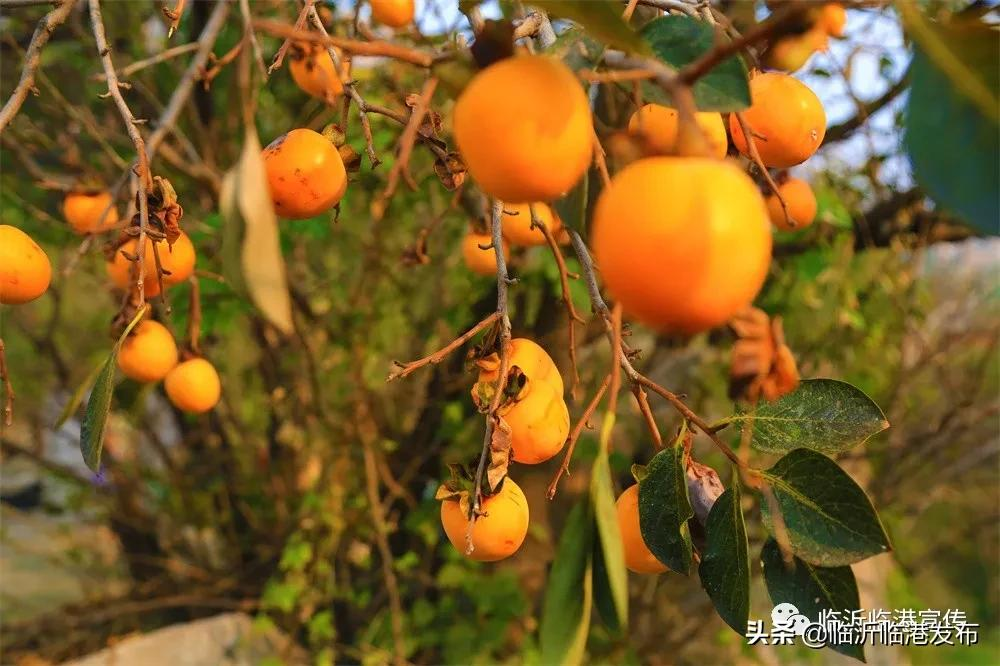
314 72
25 270
305 173
787 116
177 262
393 13
478 260
517 223
193 386
657 126
524 129
539 423
801 205
84 212
638 557
148 353
495 535
683 243
791 53
534 362
833 19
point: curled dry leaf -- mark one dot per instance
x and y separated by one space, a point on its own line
450 171
500 442
761 364
164 207
351 158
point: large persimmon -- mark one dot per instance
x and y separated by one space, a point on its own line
801 204
148 353
682 243
657 126
89 213
524 130
638 557
313 71
393 13
496 534
786 117
25 270
193 386
530 358
539 423
305 173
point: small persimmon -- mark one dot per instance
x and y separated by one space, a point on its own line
539 423
193 386
393 13
801 204
517 223
533 361
177 262
86 214
313 71
498 532
682 243
791 53
786 118
305 173
833 19
25 270
657 126
148 353
524 129
478 260
638 557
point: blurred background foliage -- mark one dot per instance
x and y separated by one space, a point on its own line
306 498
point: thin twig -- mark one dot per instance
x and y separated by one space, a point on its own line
300 24
574 435
8 388
140 65
194 316
174 15
405 369
748 135
258 54
352 46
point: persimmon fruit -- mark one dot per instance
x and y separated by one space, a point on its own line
393 13
833 19
682 243
25 270
801 205
517 223
657 126
498 533
539 423
787 118
177 262
530 357
638 557
148 353
314 72
193 386
478 260
305 173
85 212
524 130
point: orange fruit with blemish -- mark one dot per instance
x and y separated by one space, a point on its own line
25 270
539 423
86 214
786 118
528 355
193 386
305 173
517 223
148 353
177 262
524 129
496 534
801 202
478 260
393 13
313 71
657 126
638 557
683 243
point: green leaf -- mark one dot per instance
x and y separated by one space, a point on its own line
604 596
609 541
725 564
569 594
664 509
680 40
829 519
823 415
99 404
602 19
74 400
952 128
811 589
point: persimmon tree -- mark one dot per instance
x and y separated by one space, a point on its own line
304 215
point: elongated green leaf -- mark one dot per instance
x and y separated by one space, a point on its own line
99 404
824 415
811 589
77 398
609 540
725 564
569 593
830 520
604 596
602 20
680 40
664 509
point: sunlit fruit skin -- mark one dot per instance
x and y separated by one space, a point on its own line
148 353
84 212
833 19
524 130
478 260
657 126
788 117
517 223
539 423
193 386
25 270
791 53
313 71
305 173
682 243
177 261
497 534
801 205
393 13
531 358
638 557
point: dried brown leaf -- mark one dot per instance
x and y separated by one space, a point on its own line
500 442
